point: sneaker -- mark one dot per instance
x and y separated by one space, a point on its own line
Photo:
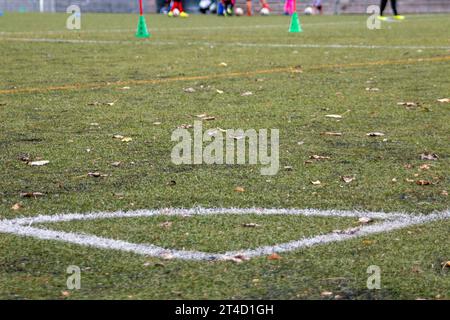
184 14
399 17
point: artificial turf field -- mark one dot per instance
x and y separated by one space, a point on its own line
65 94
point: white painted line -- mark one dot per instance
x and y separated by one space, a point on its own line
228 44
391 221
199 28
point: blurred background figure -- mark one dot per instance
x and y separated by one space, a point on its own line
394 10
289 7
207 6
263 5
318 8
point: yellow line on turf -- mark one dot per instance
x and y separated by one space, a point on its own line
98 85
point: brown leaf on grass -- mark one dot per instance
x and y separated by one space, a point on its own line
423 182
239 189
127 139
288 168
444 100
365 220
333 134
251 225
316 183
408 166
16 207
375 134
96 103
348 179
96 175
205 117
444 193
425 167
219 91
372 89
31 194
189 90
429 156
118 136
246 94
38 163
319 158
347 231
326 294
237 258
24 157
274 256
223 64
116 164
408 105
445 264
185 126
166 224
333 116
409 180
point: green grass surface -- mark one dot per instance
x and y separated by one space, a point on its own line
57 125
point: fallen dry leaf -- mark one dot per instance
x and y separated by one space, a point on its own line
223 64
444 193
334 134
372 89
429 156
31 194
444 100
237 258
166 224
367 242
118 136
38 163
274 256
96 175
326 294
408 104
239 189
247 93
317 182
318 158
189 90
219 91
116 164
251 225
333 116
445 264
348 179
375 134
16 207
424 167
185 126
365 220
288 168
423 182
205 117
127 139
65 293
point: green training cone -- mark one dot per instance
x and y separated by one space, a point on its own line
295 24
142 31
